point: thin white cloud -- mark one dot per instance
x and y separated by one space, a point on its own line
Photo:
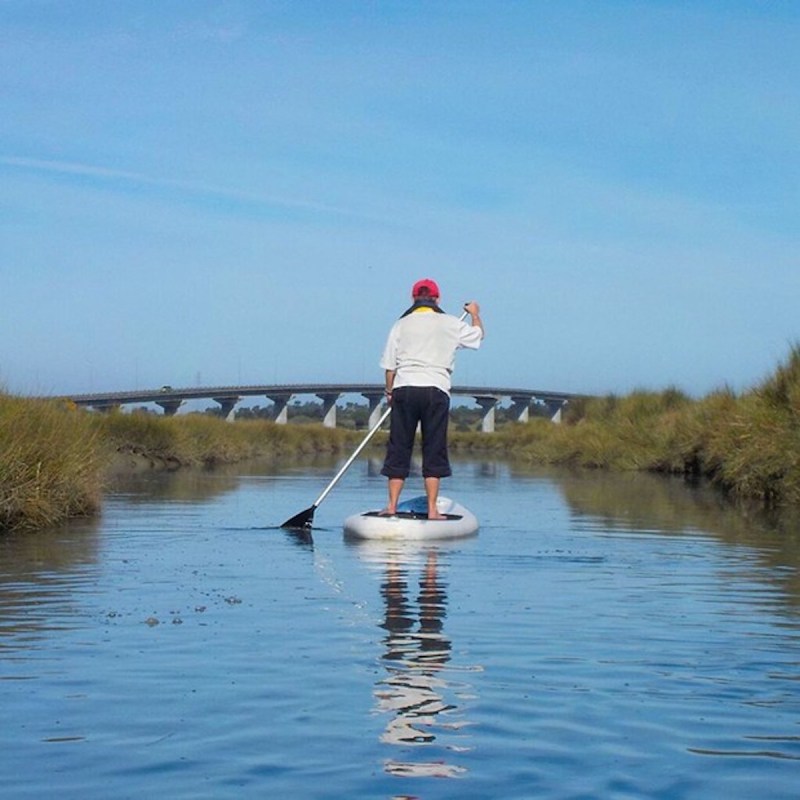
56 167
70 168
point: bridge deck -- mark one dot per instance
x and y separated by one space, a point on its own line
170 399
212 392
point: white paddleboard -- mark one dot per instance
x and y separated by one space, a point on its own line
411 522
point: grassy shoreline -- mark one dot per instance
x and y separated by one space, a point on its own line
748 444
55 459
50 464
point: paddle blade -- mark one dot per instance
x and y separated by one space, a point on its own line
301 521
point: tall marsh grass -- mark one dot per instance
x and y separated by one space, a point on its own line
51 463
54 459
196 439
747 444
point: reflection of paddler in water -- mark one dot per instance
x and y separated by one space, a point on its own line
416 650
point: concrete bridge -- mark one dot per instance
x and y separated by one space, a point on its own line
170 400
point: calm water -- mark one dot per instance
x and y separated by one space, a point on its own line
602 637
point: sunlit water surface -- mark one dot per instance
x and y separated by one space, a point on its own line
602 637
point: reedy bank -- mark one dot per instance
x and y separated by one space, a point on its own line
747 444
51 462
55 458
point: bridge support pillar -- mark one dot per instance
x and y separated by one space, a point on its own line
555 407
520 408
488 403
375 408
329 408
170 406
228 404
281 403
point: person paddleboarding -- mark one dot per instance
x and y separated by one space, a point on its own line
418 362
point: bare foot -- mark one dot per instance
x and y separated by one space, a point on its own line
436 515
387 512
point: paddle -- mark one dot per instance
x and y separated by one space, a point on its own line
303 520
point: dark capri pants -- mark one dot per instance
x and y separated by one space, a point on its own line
430 407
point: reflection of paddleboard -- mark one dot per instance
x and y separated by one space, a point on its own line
411 522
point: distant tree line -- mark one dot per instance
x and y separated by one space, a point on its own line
355 416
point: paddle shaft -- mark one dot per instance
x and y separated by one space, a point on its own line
375 428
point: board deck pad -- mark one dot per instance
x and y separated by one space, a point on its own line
407 515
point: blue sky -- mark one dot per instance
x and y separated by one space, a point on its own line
244 192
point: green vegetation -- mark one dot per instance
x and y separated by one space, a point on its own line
355 416
204 440
54 459
50 463
748 444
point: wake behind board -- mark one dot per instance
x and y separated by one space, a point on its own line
411 522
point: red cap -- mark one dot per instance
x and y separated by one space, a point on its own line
425 287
